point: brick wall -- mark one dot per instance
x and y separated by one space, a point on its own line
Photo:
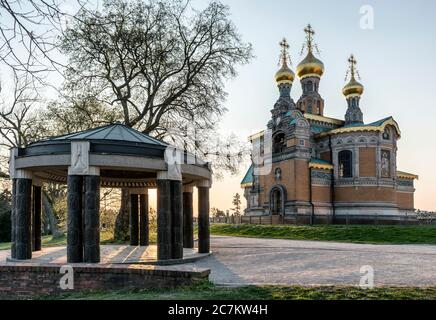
295 172
365 194
367 162
321 194
32 279
405 200
326 156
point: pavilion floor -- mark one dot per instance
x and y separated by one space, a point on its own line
110 254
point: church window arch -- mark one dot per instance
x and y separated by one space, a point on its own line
279 142
309 86
345 159
386 134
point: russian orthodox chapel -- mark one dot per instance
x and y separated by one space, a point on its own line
320 169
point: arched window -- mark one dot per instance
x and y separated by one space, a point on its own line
354 102
318 104
345 164
279 142
386 135
309 86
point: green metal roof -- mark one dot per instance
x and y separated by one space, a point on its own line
320 161
111 132
372 124
248 176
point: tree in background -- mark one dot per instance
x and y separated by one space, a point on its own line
237 205
5 216
162 66
217 213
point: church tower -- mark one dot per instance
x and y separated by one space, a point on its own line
310 71
352 91
284 79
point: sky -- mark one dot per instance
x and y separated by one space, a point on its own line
396 61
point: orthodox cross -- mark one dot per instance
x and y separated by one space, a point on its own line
309 40
284 56
309 37
352 70
352 61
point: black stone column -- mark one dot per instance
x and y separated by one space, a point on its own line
163 219
188 224
13 218
36 215
23 219
203 220
176 220
143 221
134 220
91 213
74 220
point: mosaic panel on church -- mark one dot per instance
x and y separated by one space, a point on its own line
386 164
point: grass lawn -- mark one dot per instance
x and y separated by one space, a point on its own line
354 234
208 291
351 233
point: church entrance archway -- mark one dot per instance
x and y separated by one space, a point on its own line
277 199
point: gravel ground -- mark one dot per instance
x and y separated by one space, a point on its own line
242 261
239 261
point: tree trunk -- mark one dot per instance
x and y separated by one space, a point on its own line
50 216
121 231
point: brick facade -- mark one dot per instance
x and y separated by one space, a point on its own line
405 200
367 162
366 194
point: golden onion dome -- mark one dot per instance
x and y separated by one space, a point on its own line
285 75
353 87
310 67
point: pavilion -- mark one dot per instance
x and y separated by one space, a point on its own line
113 156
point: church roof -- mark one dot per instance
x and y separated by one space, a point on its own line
406 175
316 163
248 179
379 125
111 132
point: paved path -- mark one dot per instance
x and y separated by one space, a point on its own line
239 261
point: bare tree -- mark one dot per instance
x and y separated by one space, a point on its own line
68 116
156 60
28 33
16 117
162 64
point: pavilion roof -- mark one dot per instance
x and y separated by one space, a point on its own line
111 132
